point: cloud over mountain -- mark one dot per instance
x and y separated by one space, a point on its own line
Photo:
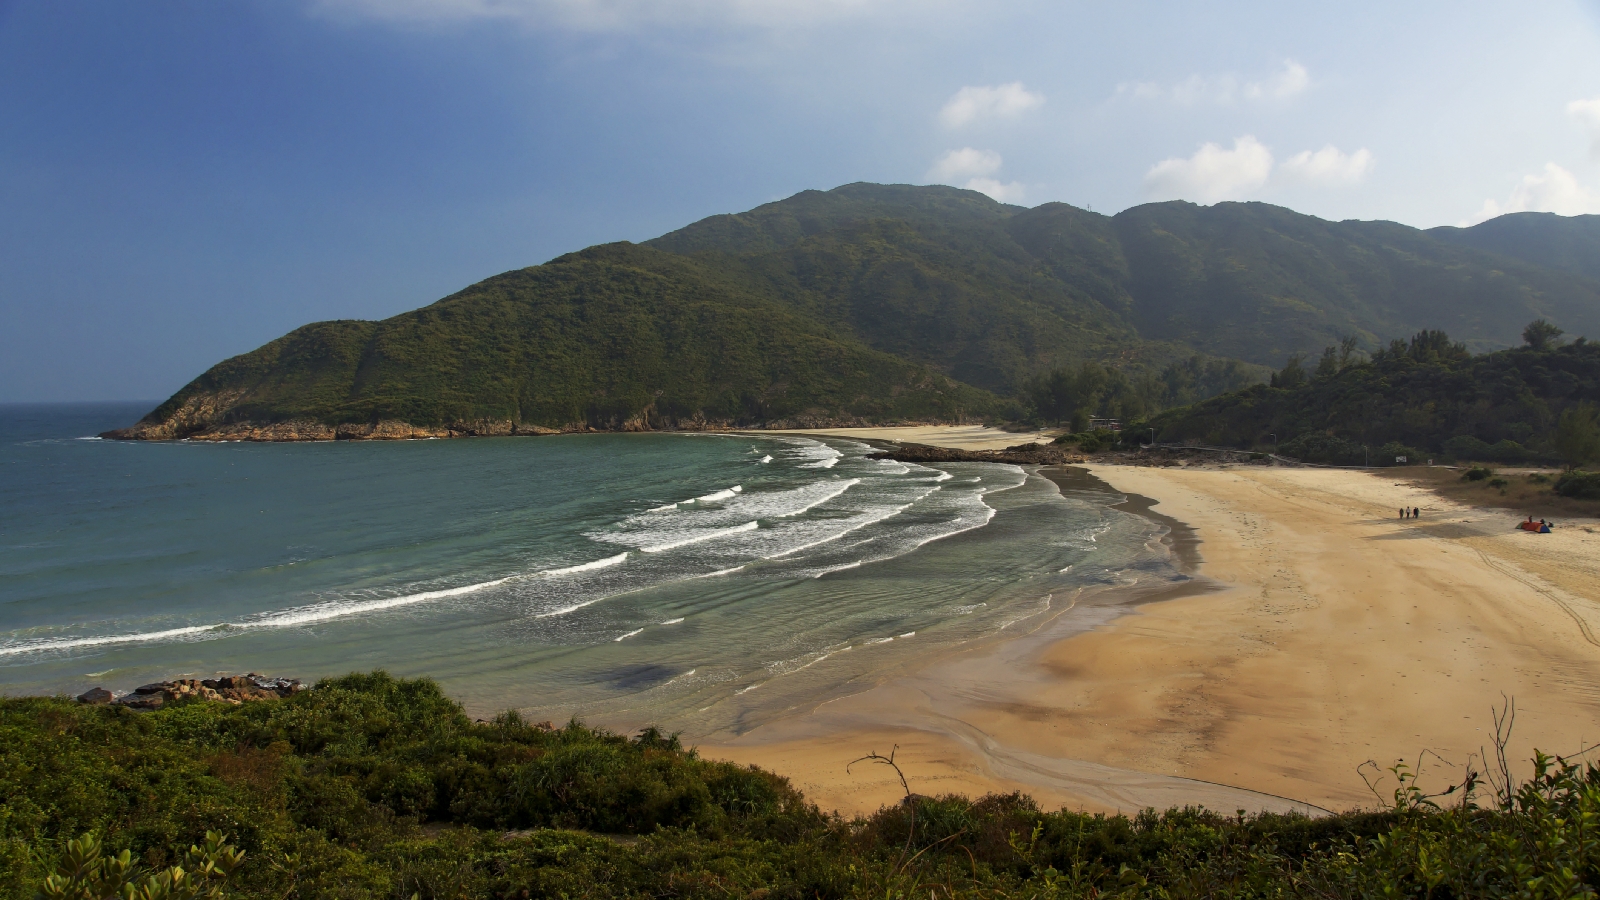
973 169
1328 166
1555 190
973 104
1212 173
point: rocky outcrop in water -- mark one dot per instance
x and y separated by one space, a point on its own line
234 689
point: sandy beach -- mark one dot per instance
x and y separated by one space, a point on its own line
1321 632
957 437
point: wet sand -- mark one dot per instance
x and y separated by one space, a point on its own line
1322 632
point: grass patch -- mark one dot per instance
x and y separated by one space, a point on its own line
1529 493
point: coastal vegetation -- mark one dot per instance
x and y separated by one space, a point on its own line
1419 398
369 786
876 303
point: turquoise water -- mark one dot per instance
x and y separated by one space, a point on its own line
706 581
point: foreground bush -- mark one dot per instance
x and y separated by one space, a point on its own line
375 787
1579 485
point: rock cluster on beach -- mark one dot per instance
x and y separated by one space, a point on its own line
234 689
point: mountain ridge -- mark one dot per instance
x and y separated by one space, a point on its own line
876 302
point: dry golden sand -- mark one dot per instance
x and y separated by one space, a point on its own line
958 437
1340 634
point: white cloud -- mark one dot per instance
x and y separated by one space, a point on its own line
964 163
606 15
1001 101
1588 113
1556 190
1285 84
1009 192
1328 166
1212 173
1289 81
972 169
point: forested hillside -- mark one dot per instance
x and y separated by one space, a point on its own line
1428 395
995 294
1562 243
613 337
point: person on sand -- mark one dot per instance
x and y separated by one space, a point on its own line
1402 512
1416 512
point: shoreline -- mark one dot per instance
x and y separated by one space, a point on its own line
926 708
1269 684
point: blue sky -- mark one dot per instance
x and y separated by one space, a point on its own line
184 181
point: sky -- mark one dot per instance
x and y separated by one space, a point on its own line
184 180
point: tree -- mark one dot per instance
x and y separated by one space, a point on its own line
1328 366
1291 376
1541 335
1578 435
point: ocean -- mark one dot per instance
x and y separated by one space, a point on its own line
705 583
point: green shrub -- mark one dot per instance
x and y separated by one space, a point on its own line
324 793
1318 447
1477 473
1579 485
1389 453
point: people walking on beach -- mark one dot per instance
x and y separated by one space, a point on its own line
1416 513
1402 512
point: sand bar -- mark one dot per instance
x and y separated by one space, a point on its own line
957 437
1338 633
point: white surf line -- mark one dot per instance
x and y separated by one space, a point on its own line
939 537
845 485
74 643
674 622
856 527
304 615
818 659
766 459
708 536
713 497
584 567
909 634
854 565
630 634
679 678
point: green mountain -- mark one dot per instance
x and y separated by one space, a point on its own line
873 302
1564 243
996 294
1427 395
613 337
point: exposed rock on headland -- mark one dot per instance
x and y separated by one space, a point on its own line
234 689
